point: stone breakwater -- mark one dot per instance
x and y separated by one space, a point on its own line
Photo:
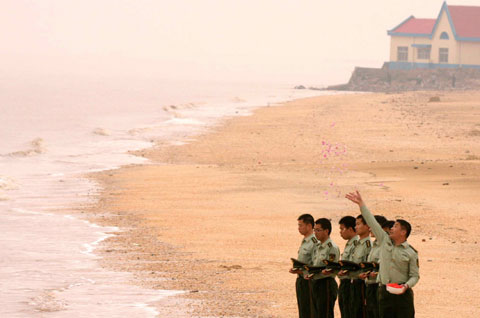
386 80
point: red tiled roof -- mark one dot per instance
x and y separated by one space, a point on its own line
466 20
416 26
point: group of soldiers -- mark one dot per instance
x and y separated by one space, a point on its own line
376 277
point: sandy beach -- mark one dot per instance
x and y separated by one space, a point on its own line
217 217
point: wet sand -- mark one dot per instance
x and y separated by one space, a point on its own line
217 217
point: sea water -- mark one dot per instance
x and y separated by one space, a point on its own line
55 130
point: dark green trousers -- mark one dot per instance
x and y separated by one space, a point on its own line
357 299
303 288
324 296
395 306
344 298
372 300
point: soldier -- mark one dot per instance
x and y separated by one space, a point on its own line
347 232
370 277
325 288
360 254
388 226
398 264
303 286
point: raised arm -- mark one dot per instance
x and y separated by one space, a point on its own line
375 227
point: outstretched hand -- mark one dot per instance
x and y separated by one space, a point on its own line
355 197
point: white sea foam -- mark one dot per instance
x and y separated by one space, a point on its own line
184 121
7 183
37 147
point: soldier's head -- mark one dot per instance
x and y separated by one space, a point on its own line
381 220
361 227
347 227
387 226
400 230
322 229
305 224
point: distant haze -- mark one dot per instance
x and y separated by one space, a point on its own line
311 42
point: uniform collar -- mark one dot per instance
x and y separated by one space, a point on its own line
329 240
364 239
353 239
405 244
306 239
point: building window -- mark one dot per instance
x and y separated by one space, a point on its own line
444 36
443 55
423 53
402 53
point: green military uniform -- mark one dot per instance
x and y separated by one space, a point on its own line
344 296
303 287
398 264
325 288
371 283
357 287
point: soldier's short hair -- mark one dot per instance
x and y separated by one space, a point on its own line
405 226
381 220
325 224
348 222
388 224
360 217
307 219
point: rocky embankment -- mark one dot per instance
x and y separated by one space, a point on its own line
385 80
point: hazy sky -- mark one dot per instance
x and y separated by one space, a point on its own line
291 41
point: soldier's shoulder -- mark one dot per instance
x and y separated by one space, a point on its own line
413 248
368 243
314 240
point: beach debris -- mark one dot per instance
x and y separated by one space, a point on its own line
231 267
434 99
474 132
299 87
446 183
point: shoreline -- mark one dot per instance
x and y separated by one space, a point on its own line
216 217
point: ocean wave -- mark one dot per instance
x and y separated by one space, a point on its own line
102 132
171 108
184 121
7 183
48 302
38 147
237 99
